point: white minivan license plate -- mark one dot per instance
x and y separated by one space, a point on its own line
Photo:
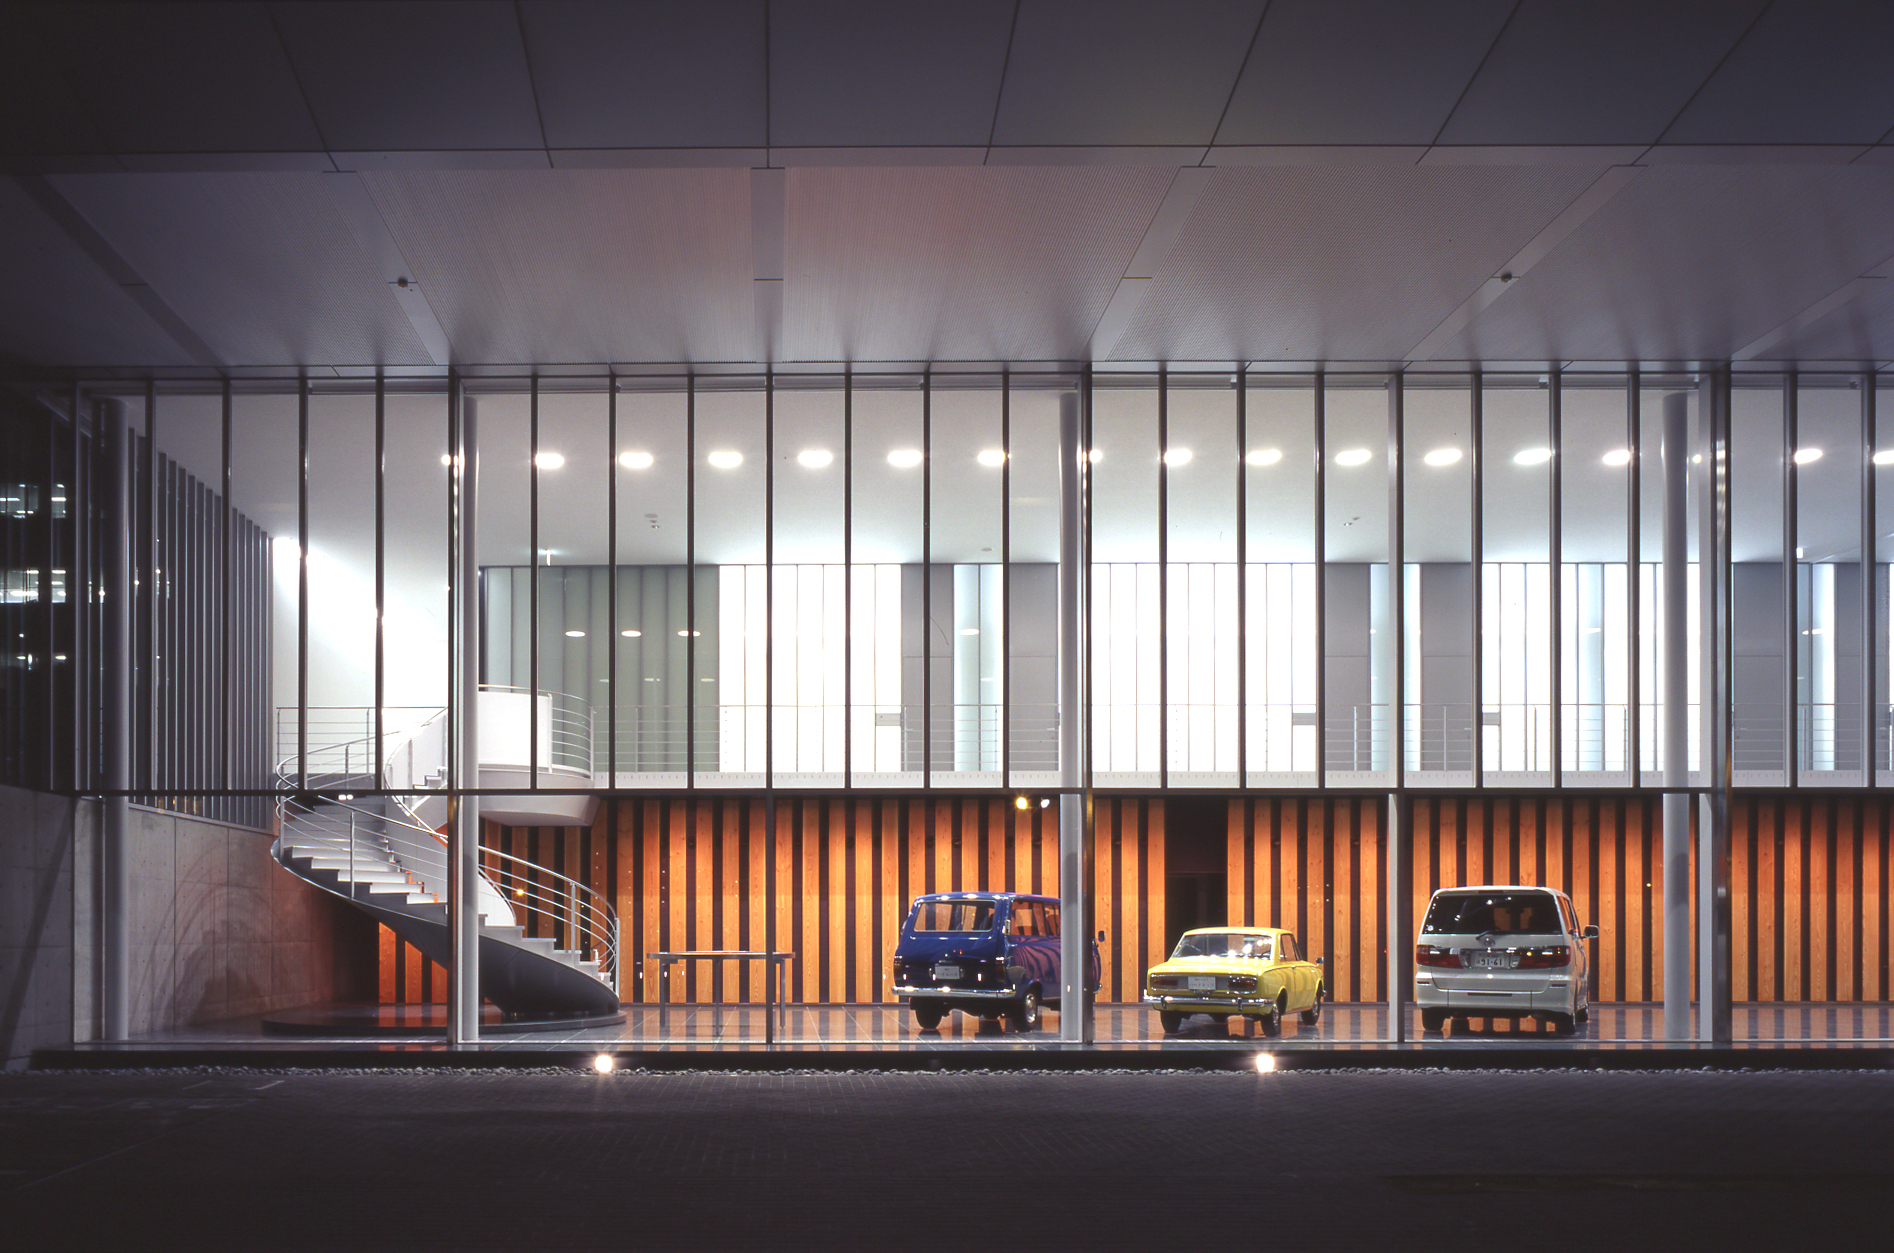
946 972
1201 983
1491 961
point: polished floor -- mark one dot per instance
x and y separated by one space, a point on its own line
144 1161
1359 1027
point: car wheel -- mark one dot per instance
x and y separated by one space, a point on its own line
1024 1013
1170 1020
1583 1014
1433 1019
1313 1014
927 1014
1561 1023
1272 1020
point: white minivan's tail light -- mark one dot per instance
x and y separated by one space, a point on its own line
1549 957
1431 955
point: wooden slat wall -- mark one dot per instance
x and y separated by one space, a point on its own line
1810 913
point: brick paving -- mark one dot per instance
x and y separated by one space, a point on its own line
426 1160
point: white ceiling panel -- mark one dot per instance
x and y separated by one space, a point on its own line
979 264
1122 72
57 307
1689 263
1358 71
865 72
1861 330
408 76
179 77
260 266
611 74
1602 72
1337 264
580 265
1810 73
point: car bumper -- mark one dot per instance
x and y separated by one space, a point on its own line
961 994
1230 1003
1556 996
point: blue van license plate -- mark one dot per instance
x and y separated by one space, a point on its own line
946 972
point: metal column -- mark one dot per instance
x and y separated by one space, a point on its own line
115 936
1399 930
1713 814
1673 596
1075 928
463 880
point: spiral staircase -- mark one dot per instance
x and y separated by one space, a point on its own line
381 853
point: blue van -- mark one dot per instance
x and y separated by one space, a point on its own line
984 953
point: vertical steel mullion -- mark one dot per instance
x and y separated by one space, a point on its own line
848 581
79 649
1868 580
381 573
1555 557
690 584
302 582
1004 715
532 585
1477 417
1242 584
47 557
1634 571
1397 578
1319 419
927 579
227 607
769 582
147 595
611 584
1163 581
1085 606
1791 579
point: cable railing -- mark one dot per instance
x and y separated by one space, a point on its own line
516 728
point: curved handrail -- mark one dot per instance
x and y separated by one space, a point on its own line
580 914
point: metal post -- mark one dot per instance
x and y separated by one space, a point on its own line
1075 928
1398 874
115 940
1398 807
1675 642
1713 824
463 1009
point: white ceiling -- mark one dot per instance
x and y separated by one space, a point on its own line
241 188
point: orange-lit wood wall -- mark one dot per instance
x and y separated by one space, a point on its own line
1809 877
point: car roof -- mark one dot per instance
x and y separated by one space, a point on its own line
1500 887
983 896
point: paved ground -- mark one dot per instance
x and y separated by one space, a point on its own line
474 1160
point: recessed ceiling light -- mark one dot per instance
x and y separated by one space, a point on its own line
1095 456
575 635
1885 457
1264 457
635 460
631 635
992 457
815 458
1353 457
549 460
969 630
1443 456
1618 457
905 458
1804 456
725 459
1532 456
689 633
1177 457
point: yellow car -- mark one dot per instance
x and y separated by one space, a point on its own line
1258 972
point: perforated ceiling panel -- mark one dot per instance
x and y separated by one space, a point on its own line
1691 262
581 265
974 264
1336 264
261 266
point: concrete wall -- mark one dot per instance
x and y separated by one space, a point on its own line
218 929
37 839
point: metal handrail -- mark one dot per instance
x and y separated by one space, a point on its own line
580 914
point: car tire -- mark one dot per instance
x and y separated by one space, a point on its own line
1024 1013
1561 1023
927 1014
1170 1020
1313 1014
1583 1014
1271 1020
1433 1019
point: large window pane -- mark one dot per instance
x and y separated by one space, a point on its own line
1281 739
1438 575
1594 630
730 524
1759 665
885 726
1515 725
1358 657
1126 602
1828 669
1201 466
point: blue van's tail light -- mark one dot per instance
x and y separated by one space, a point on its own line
1549 957
1429 955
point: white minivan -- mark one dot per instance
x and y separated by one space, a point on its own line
1502 951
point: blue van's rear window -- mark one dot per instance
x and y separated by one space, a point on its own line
953 916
